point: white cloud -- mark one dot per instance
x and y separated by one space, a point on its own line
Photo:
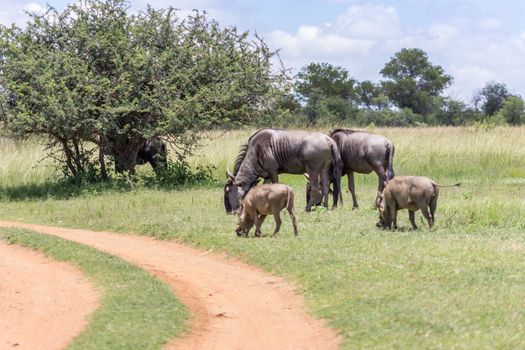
35 8
369 21
490 23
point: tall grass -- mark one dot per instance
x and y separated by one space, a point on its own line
442 152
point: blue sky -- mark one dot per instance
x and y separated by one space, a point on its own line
474 41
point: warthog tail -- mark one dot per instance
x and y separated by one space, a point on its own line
337 169
289 200
454 185
390 156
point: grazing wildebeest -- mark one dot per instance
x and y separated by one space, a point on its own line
260 201
154 152
270 152
408 192
363 152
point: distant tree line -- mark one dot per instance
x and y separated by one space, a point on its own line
410 93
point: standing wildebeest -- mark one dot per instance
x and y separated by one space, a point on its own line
154 152
363 152
270 152
408 192
261 201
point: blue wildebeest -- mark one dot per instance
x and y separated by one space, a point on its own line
270 152
154 152
363 152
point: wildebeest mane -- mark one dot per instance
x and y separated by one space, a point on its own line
242 152
240 158
346 131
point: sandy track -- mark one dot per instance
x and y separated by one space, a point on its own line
234 305
44 304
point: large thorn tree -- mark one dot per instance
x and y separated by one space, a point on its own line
98 81
412 81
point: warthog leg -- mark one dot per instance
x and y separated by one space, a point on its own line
277 218
259 219
427 216
412 217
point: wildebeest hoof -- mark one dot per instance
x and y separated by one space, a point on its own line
307 209
355 207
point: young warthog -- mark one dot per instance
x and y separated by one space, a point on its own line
408 192
261 201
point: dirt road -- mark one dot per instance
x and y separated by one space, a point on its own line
44 304
234 305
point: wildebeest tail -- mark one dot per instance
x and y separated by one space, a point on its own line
390 159
337 169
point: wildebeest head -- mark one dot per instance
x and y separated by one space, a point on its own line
231 195
309 190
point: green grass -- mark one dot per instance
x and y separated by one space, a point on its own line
137 310
460 285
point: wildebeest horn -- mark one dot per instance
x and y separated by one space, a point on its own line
229 175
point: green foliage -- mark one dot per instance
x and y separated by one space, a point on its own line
153 315
329 92
326 80
492 97
412 81
513 110
97 81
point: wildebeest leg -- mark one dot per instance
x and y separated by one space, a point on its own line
259 219
277 218
351 188
381 176
314 189
427 216
325 186
412 217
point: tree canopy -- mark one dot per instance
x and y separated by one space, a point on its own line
95 74
411 81
492 96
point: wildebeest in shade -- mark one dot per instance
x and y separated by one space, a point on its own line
363 152
408 192
270 152
261 201
154 152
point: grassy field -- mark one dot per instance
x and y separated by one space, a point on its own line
461 285
137 311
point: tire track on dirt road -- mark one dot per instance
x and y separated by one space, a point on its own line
44 303
233 305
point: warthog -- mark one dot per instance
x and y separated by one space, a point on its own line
270 152
261 201
408 192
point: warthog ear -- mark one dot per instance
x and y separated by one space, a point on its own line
229 175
